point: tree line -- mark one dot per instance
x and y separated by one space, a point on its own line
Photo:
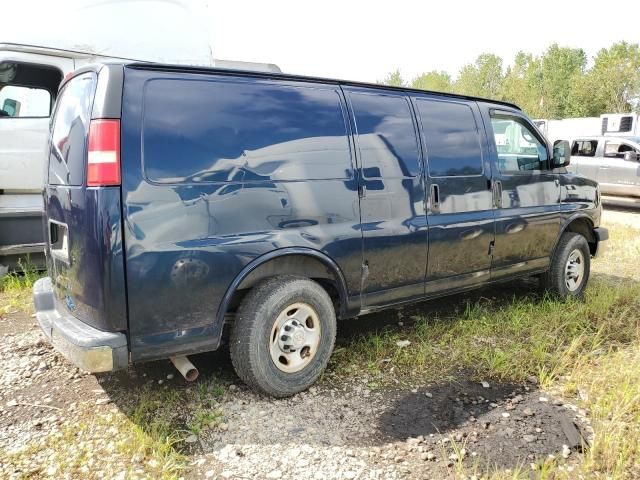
556 84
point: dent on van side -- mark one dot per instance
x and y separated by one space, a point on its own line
181 202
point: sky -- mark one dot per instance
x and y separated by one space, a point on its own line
356 40
364 40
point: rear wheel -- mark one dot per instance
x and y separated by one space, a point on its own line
570 267
283 335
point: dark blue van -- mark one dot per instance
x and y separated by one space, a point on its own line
181 201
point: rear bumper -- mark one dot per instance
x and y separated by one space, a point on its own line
602 235
86 347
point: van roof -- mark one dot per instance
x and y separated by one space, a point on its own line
301 78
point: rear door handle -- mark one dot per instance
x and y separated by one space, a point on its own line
497 193
435 197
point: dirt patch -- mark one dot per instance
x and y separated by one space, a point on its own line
352 432
501 425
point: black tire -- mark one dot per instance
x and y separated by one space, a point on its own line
251 335
555 279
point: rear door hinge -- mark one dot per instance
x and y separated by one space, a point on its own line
492 246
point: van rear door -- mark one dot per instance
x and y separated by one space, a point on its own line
82 200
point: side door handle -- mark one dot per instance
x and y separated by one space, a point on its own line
435 197
497 193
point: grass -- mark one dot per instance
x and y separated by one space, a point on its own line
506 341
15 288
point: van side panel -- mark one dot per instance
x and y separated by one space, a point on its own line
206 191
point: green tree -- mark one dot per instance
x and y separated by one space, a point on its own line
522 84
394 79
434 81
614 80
483 78
561 69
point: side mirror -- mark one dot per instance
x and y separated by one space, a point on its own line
631 156
561 153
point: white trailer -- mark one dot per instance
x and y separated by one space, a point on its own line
610 124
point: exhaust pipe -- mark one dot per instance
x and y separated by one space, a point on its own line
185 367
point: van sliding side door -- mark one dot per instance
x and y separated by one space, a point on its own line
392 193
460 214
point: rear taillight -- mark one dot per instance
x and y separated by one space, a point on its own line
103 160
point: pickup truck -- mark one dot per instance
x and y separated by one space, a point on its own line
613 162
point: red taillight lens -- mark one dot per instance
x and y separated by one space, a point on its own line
103 159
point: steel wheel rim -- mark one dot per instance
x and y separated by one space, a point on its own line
295 337
574 270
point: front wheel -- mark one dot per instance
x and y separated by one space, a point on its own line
283 335
570 267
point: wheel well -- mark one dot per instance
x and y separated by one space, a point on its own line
294 264
584 227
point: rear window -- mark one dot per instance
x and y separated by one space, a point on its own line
584 148
453 141
231 130
70 129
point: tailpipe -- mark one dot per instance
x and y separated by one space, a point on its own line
185 367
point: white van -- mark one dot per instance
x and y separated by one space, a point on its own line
32 66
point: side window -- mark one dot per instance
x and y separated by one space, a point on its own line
70 129
617 149
453 141
20 102
584 148
519 150
26 89
386 135
233 130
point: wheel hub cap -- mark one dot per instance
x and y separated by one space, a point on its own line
574 270
295 337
